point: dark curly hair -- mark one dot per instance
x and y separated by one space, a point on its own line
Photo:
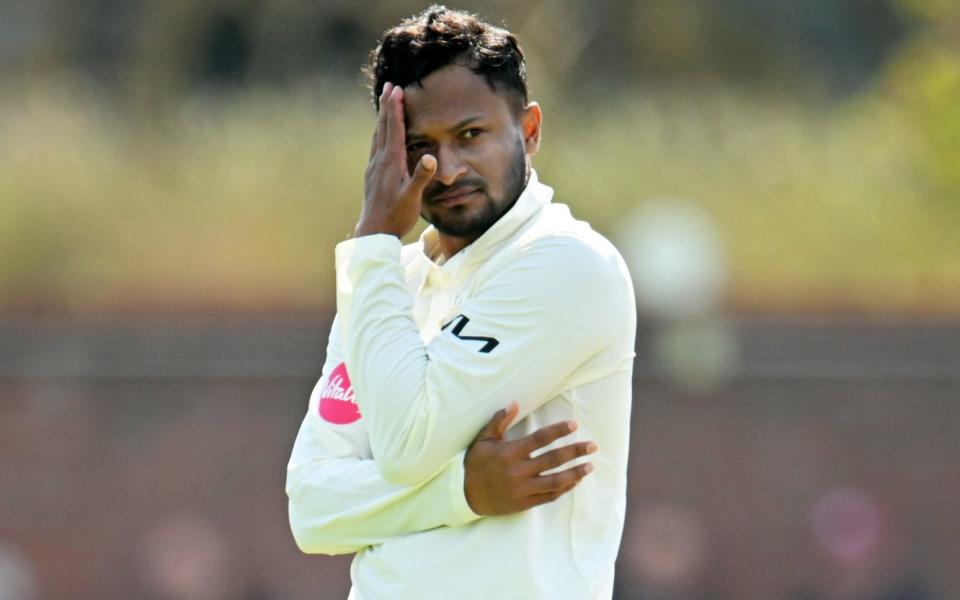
440 36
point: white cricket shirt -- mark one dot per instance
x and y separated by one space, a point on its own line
538 310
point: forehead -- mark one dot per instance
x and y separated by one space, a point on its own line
448 96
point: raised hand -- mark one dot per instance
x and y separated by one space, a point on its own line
392 196
500 476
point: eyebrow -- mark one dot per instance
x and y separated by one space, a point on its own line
460 125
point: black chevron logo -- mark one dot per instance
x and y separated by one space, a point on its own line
461 321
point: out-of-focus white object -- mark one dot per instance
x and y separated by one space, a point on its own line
17 579
698 354
678 262
676 257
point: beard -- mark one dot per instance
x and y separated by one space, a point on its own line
458 224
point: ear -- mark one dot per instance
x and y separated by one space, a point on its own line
530 123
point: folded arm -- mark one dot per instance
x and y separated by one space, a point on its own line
554 305
339 503
342 505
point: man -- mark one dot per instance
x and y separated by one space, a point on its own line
506 306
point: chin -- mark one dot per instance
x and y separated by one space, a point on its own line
463 221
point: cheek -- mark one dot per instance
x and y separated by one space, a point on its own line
492 159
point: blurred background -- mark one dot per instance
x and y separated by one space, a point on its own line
783 178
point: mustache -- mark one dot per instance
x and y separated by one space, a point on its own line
437 189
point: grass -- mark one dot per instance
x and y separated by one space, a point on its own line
236 205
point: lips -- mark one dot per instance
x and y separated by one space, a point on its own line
456 197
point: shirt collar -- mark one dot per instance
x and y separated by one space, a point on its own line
534 197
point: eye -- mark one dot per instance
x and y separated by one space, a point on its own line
417 146
471 133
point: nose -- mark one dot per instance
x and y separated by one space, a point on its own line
450 165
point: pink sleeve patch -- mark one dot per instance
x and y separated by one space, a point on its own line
336 400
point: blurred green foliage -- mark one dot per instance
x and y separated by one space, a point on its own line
237 205
924 79
217 205
156 193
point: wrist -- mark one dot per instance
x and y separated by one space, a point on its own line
463 507
365 229
468 484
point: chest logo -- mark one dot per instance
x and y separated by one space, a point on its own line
459 322
336 399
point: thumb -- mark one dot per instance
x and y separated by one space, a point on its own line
422 174
497 426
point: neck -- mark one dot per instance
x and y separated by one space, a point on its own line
450 245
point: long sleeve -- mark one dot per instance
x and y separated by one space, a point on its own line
557 302
338 501
342 505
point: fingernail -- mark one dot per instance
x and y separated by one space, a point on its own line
591 447
572 425
430 163
588 468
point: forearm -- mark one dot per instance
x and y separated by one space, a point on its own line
382 341
341 505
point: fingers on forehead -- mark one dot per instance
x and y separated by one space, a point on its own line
381 134
395 131
383 114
